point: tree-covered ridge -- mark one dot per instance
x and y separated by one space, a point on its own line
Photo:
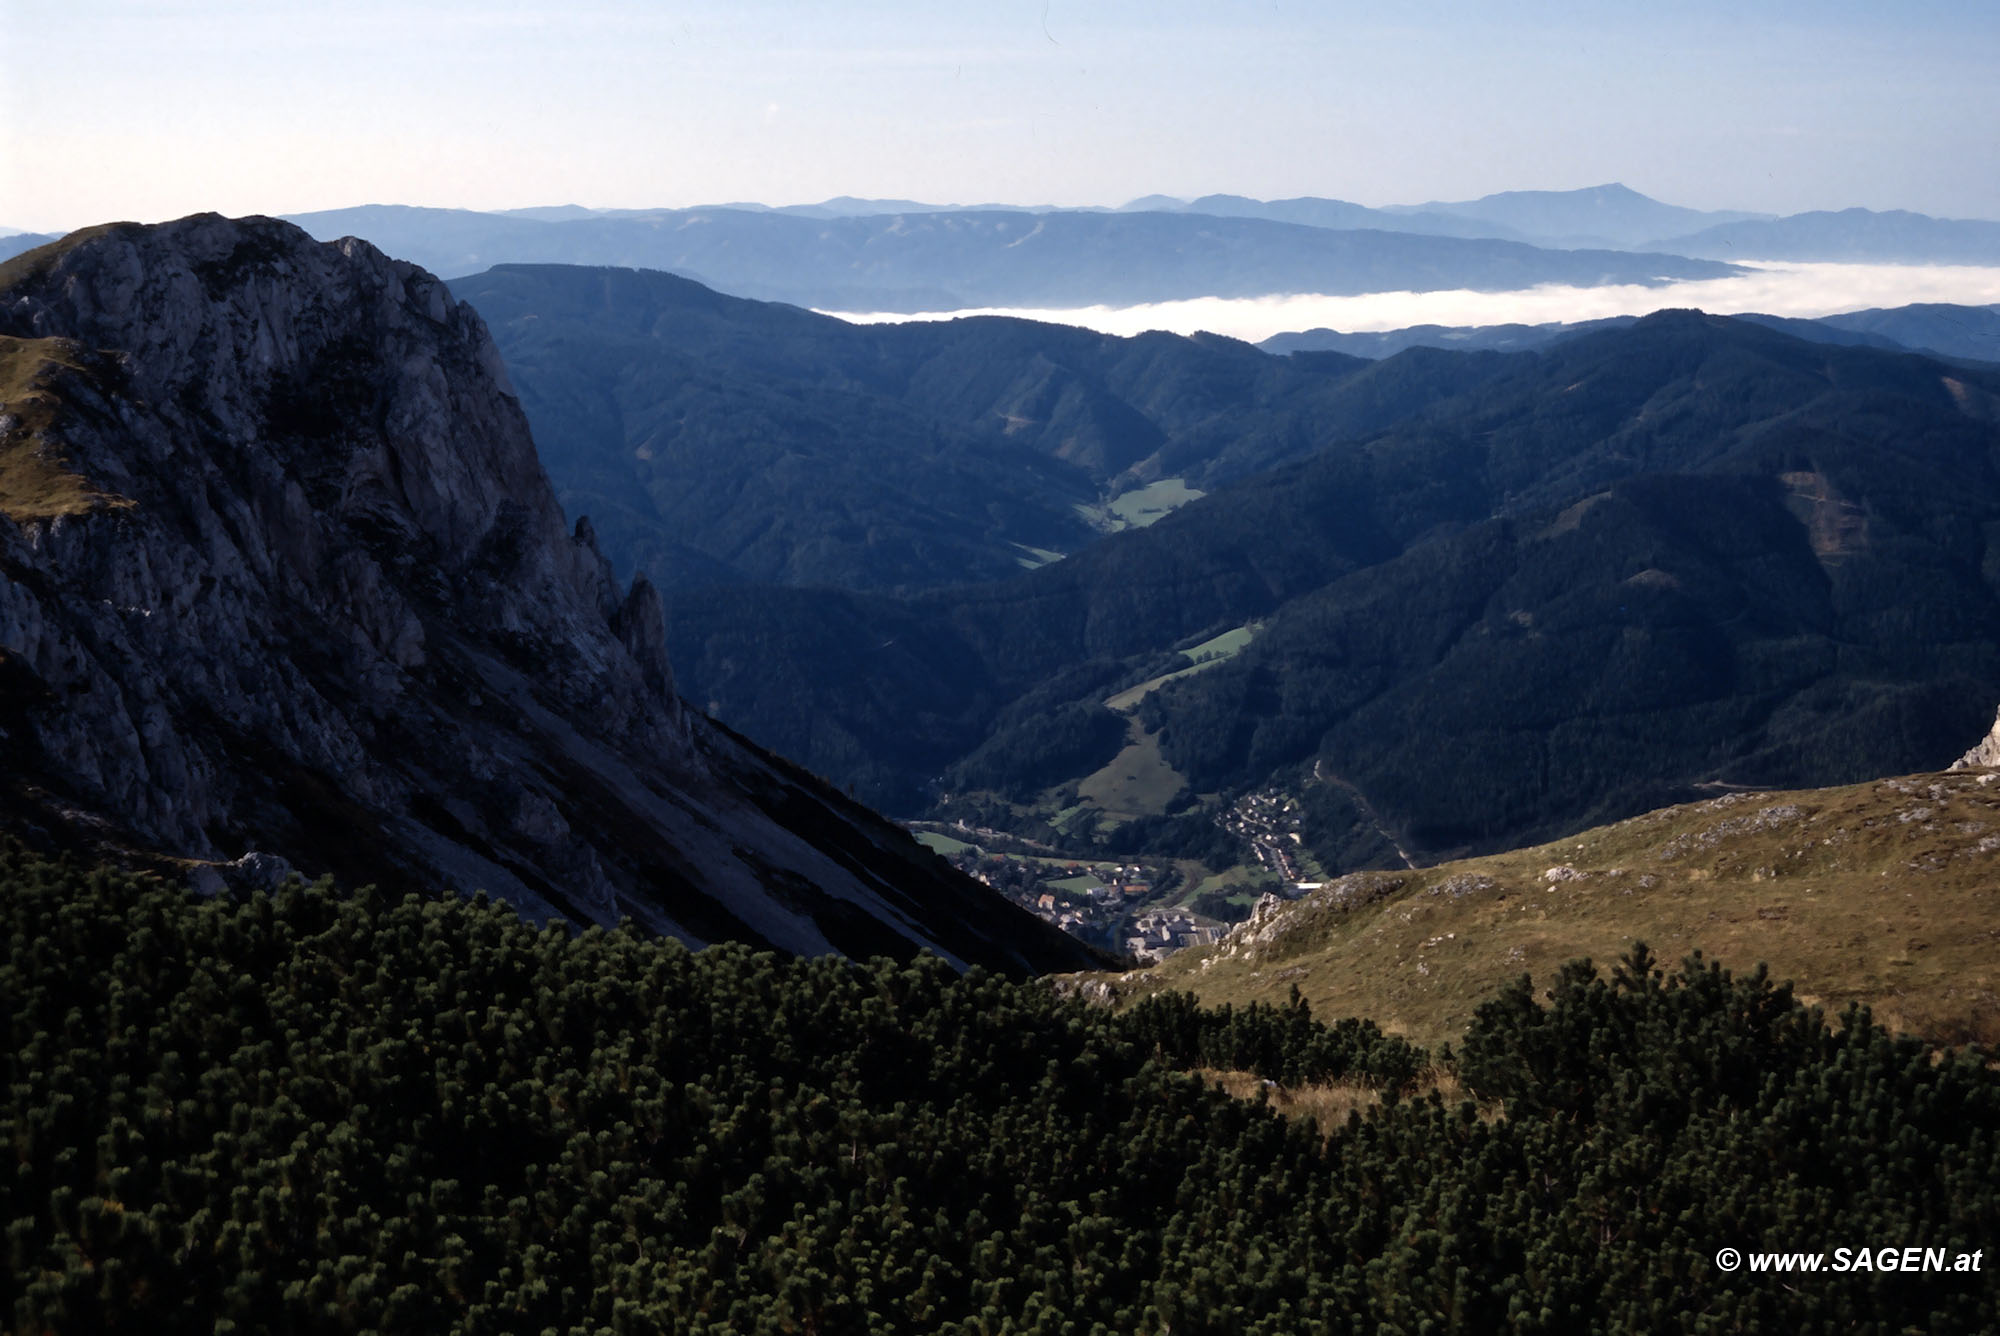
715 440
310 1112
1693 550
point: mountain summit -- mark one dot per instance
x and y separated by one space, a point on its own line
283 575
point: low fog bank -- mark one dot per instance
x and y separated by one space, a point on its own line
1788 289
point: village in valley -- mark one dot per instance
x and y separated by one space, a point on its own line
1146 909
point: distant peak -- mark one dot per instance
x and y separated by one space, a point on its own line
1612 190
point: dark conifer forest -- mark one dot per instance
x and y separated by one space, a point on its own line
1505 596
309 1111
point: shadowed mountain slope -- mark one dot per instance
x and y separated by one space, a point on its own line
1936 327
1692 550
1858 329
283 575
719 440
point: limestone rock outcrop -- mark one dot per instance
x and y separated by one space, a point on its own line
280 572
1984 755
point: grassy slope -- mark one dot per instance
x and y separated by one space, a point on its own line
1139 781
35 483
1885 893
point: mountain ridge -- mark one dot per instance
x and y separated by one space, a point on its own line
1847 236
1873 893
722 440
315 598
1750 536
1612 214
944 261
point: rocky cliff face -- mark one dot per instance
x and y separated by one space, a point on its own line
280 572
1986 754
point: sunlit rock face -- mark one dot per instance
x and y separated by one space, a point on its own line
1984 754
282 572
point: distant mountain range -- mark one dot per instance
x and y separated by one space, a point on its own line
947 261
1611 216
908 256
1850 236
1970 332
14 243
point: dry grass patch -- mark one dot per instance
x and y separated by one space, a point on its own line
1885 893
1329 1105
36 481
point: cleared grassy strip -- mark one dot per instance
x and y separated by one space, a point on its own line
1242 874
1088 872
1141 506
1130 697
1225 646
1210 652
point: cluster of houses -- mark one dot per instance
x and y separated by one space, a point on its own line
1104 904
1269 823
1160 933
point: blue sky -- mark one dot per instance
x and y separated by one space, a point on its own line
151 110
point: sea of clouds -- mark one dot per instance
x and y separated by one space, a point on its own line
1771 288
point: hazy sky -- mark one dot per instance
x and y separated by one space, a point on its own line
129 109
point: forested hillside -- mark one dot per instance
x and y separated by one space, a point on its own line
1690 551
716 440
1917 329
314 1113
1718 555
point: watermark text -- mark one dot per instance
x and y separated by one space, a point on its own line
1844 1260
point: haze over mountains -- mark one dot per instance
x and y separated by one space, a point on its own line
901 255
1611 215
1851 235
940 261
